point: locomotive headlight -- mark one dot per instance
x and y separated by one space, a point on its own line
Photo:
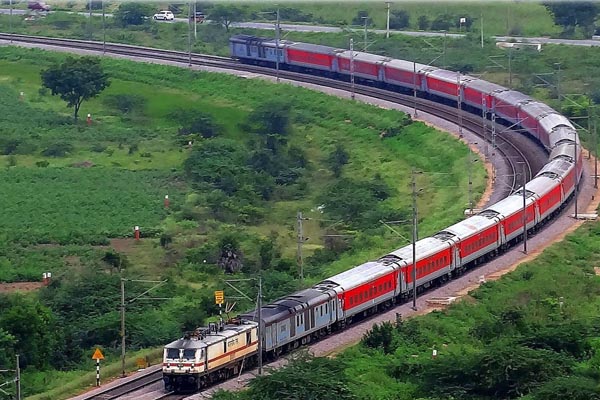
193 365
168 365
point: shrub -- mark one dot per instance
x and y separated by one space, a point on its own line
98 148
423 23
58 150
126 103
380 337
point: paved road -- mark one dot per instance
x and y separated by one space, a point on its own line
334 29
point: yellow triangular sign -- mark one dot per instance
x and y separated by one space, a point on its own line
98 355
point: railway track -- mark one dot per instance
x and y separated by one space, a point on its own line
505 147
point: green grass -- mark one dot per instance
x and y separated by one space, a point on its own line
65 384
73 208
526 18
563 270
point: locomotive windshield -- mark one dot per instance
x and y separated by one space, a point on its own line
189 354
172 353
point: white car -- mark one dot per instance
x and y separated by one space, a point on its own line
164 16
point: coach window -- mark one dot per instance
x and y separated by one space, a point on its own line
225 346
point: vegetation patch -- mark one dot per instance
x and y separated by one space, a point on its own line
534 334
237 166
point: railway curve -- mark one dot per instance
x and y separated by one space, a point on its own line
510 151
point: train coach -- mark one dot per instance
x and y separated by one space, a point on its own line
369 287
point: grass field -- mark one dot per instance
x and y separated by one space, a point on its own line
101 180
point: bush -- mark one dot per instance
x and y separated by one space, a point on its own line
58 150
423 23
399 19
126 103
380 337
132 14
195 122
98 148
442 23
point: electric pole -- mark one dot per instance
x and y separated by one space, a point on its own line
558 87
414 240
300 242
260 327
123 306
595 156
387 27
352 68
123 328
524 212
459 104
190 35
415 88
365 45
277 46
18 378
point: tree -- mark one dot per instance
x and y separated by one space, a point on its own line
194 122
76 80
304 378
380 337
399 19
337 159
226 15
570 14
231 255
360 18
33 328
442 23
423 23
568 387
132 14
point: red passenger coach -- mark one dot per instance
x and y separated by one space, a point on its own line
402 73
506 104
434 259
443 83
510 211
362 287
312 56
478 92
550 194
366 66
530 114
476 236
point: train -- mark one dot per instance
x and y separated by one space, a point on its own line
335 302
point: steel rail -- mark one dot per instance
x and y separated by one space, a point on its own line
470 122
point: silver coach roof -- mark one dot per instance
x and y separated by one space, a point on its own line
566 149
511 204
359 275
361 56
536 109
315 48
563 133
512 97
404 65
484 86
540 185
425 248
557 166
470 226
